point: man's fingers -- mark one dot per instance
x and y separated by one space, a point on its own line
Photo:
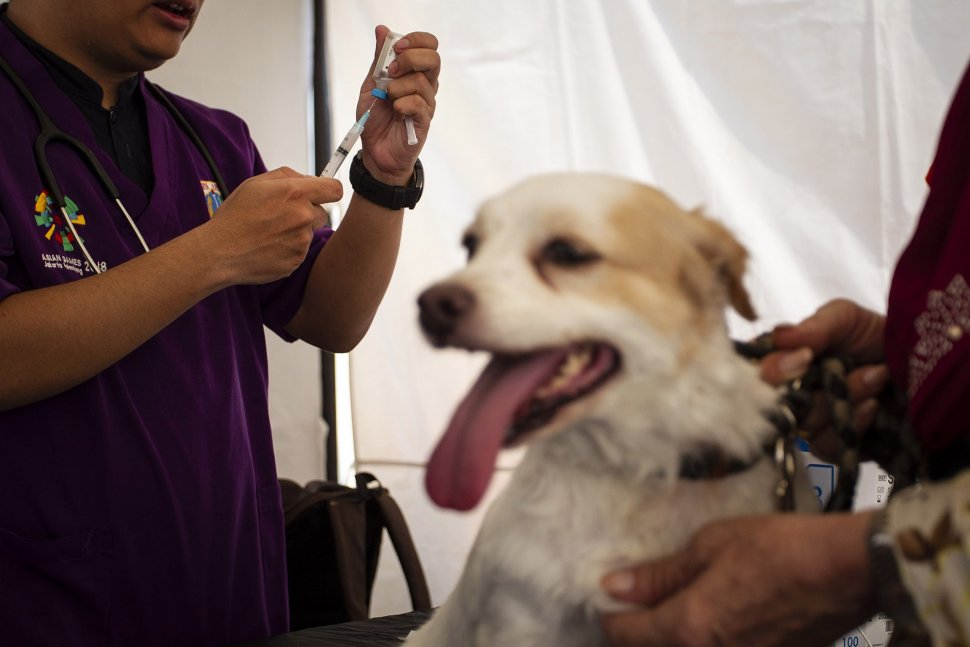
293 185
839 326
813 333
280 173
867 382
320 218
422 60
417 40
417 85
322 190
783 366
652 582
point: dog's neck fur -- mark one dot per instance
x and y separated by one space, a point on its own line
647 449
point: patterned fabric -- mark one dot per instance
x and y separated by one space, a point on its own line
928 353
943 324
927 345
930 526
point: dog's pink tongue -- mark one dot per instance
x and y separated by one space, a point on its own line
462 464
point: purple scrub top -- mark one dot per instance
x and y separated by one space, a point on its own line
140 507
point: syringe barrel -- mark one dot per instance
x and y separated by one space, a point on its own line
343 150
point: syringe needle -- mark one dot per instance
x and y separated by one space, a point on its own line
348 142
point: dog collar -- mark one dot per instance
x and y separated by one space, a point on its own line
712 463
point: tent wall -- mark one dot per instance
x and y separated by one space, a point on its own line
806 126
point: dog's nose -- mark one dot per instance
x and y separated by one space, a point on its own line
441 306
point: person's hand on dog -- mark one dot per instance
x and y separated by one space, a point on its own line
768 580
411 93
840 327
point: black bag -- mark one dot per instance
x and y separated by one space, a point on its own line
333 543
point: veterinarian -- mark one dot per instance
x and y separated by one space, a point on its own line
798 580
138 493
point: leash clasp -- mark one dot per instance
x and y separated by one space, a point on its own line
785 462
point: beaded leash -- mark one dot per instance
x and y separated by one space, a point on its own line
888 440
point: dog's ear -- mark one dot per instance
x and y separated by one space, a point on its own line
728 258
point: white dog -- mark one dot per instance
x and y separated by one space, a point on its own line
602 304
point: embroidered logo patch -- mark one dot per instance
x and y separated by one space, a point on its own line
49 217
213 197
943 324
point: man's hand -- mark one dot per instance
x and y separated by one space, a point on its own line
411 93
840 327
770 580
263 230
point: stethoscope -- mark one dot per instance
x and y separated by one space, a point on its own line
50 132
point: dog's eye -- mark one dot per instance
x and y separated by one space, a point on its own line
470 243
562 252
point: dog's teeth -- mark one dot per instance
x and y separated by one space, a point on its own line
574 363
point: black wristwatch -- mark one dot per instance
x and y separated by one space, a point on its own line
386 195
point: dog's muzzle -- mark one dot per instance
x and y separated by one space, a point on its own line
441 307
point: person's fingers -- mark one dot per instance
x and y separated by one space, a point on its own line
414 106
313 189
426 62
867 382
415 85
320 218
783 366
417 40
651 582
322 190
287 184
277 174
839 326
814 332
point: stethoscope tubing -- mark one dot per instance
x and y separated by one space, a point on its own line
49 132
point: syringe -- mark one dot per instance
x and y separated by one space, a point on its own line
382 77
343 150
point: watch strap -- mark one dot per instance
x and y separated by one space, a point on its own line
386 195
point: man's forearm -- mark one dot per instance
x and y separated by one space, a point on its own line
349 277
90 324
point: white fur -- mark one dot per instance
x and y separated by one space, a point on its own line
598 487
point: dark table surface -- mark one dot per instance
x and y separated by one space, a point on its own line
388 631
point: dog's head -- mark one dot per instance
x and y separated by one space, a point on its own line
586 289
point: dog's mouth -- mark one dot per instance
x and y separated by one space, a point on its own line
583 369
514 396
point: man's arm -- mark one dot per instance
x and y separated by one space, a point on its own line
98 320
351 274
349 278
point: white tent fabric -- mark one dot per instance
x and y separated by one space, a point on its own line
806 126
